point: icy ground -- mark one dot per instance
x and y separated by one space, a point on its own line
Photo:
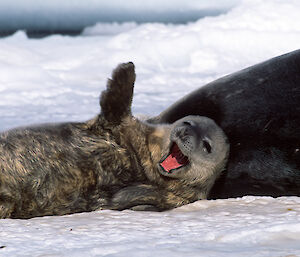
250 226
60 78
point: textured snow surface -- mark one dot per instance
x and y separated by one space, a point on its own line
60 78
249 226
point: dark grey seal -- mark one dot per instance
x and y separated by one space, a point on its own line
259 110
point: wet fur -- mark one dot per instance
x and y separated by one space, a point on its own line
109 162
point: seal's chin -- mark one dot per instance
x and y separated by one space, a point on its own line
174 161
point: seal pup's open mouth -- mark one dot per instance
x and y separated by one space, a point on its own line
174 160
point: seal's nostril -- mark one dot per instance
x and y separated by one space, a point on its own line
181 133
188 123
206 146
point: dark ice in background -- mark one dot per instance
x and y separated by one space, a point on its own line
44 17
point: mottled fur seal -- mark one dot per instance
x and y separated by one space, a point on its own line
259 110
113 161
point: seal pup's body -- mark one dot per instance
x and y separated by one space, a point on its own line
113 161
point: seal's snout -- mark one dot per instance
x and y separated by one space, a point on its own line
192 135
184 134
181 133
184 130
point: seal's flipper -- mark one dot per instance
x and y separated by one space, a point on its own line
116 100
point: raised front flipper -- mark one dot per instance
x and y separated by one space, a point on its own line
116 100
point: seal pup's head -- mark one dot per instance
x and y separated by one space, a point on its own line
196 151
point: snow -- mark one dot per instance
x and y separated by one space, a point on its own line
249 226
59 78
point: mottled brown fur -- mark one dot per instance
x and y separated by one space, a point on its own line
109 162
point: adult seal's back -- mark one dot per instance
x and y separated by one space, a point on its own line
259 110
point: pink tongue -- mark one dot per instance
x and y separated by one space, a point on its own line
175 160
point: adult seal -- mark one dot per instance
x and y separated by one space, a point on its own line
259 110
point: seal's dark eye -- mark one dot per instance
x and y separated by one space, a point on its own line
206 146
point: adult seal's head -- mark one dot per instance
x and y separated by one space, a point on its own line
197 151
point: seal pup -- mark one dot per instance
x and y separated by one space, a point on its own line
113 161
